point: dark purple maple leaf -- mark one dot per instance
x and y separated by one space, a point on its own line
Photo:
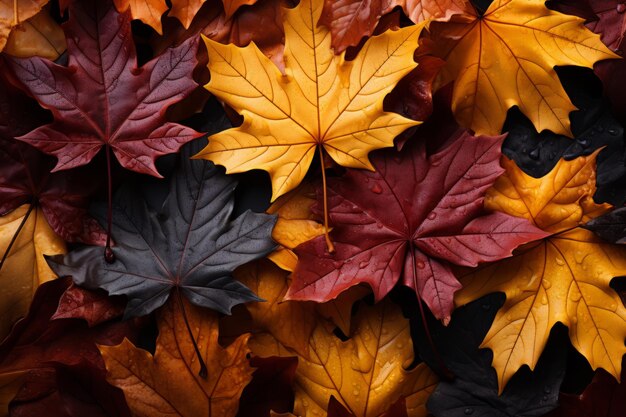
409 221
102 98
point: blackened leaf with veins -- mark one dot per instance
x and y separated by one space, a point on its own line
191 244
474 391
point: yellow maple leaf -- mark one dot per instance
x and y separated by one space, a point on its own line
321 102
14 13
168 382
25 267
506 58
562 278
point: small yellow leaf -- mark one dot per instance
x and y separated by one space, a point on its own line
25 267
562 278
320 100
38 36
13 13
295 224
506 58
168 382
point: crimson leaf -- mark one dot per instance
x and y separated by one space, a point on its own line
409 221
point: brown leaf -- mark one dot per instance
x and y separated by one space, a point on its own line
38 36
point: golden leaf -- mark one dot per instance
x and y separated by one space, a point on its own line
25 267
168 382
506 58
322 100
14 13
38 36
562 278
296 224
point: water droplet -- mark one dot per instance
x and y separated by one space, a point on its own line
546 284
363 264
613 132
432 215
544 398
486 306
559 261
544 299
376 189
399 345
420 265
547 389
534 154
621 8
584 142
468 411
355 392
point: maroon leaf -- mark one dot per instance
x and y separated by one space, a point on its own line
410 221
95 307
102 98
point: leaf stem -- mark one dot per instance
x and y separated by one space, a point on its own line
15 235
329 243
109 256
445 372
203 373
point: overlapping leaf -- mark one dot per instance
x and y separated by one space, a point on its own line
351 20
506 58
13 13
288 117
102 99
190 245
409 222
166 383
564 278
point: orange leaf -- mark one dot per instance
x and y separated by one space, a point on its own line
13 13
167 383
148 11
506 58
38 36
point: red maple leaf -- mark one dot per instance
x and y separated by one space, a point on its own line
103 98
409 221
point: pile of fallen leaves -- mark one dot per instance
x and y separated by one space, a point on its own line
439 229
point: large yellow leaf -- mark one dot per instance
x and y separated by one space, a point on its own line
366 373
322 100
168 382
15 12
507 57
25 267
563 278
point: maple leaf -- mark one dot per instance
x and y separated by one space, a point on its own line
351 20
296 224
40 35
286 117
506 58
231 6
122 108
366 374
13 13
190 245
388 229
474 389
563 278
164 383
